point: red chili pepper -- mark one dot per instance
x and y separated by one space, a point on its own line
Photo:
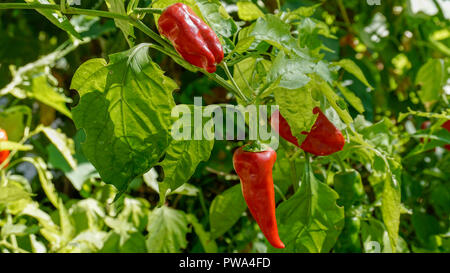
446 126
323 139
255 171
192 38
5 153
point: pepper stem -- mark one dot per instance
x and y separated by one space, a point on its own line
255 147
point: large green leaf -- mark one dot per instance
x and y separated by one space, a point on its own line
310 221
182 158
125 111
225 210
167 229
188 148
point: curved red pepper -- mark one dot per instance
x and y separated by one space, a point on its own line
192 38
323 139
446 126
255 171
5 153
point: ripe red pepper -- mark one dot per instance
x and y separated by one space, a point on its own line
446 126
5 153
255 171
323 139
192 38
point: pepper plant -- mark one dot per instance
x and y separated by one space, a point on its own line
88 158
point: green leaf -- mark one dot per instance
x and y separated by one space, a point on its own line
248 11
37 246
335 101
430 77
351 98
91 27
353 69
296 106
182 158
117 6
243 45
88 241
293 72
65 222
45 177
9 228
391 203
136 212
310 221
87 214
14 120
125 111
303 11
12 192
49 229
56 17
426 227
167 229
34 80
64 144
209 245
225 210
42 91
216 16
245 76
274 31
117 243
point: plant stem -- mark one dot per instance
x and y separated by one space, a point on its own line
340 162
278 190
27 6
345 16
12 247
236 87
148 10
